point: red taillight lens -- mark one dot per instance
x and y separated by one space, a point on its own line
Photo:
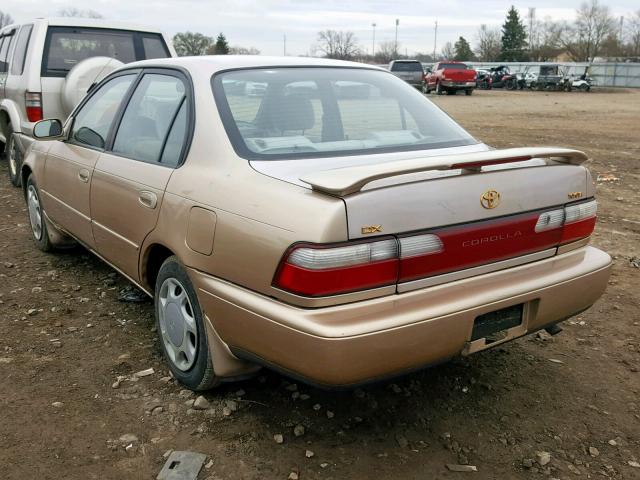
579 221
33 103
318 270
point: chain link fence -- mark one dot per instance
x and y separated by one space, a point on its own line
604 74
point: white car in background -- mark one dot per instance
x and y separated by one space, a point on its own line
47 66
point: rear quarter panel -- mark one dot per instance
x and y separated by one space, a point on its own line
257 217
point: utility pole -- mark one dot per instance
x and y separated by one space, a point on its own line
284 44
621 29
373 41
435 41
395 49
532 20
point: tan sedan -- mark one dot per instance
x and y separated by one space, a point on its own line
318 217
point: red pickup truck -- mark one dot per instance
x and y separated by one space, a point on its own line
450 77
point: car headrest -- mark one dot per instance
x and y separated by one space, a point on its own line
294 112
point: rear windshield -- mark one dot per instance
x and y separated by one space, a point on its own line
453 66
406 67
66 47
291 113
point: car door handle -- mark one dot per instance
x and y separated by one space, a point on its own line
148 199
83 175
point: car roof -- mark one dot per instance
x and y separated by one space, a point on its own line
96 23
216 63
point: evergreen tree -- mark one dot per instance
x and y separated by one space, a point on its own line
463 50
221 46
514 38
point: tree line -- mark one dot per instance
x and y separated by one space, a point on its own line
593 33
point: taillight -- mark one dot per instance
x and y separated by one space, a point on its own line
33 103
576 221
318 270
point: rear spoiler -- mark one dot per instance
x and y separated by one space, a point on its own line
344 181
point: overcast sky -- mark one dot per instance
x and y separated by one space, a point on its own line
263 23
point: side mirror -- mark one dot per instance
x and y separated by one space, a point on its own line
48 129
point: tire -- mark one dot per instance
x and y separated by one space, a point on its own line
468 91
39 230
14 159
180 322
425 90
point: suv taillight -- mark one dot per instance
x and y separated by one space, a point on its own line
33 103
319 270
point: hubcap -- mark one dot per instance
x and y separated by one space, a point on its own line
13 164
35 213
177 324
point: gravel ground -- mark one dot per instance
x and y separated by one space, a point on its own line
540 407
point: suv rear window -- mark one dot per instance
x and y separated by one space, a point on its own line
406 67
67 46
294 113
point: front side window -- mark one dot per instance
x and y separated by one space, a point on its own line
148 117
291 113
66 47
93 121
20 52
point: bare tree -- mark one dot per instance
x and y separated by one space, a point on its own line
76 12
342 45
385 51
633 33
448 52
547 40
489 45
583 40
5 19
244 51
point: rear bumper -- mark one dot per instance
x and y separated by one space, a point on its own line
354 343
452 84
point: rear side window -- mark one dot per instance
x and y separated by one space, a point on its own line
66 47
4 52
154 47
406 67
93 121
175 141
149 116
20 52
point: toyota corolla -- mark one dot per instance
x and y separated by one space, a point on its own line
338 227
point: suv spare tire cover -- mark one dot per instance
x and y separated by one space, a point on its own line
82 76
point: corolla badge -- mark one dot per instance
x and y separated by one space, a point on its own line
490 199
